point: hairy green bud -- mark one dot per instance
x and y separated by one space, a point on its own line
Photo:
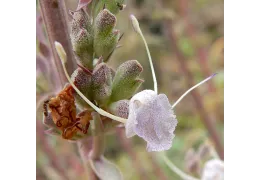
104 22
82 37
83 47
81 20
106 37
82 81
126 80
101 83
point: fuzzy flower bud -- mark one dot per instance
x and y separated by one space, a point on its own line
135 24
120 108
105 21
126 80
151 118
81 20
83 82
106 37
83 46
101 82
82 37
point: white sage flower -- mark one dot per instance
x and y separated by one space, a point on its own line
213 170
151 117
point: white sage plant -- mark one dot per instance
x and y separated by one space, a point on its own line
151 115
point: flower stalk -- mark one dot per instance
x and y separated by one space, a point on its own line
175 169
189 90
137 28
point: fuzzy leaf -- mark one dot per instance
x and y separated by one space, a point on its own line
105 170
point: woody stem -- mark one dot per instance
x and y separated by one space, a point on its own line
56 22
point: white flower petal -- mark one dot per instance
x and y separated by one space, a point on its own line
151 117
135 106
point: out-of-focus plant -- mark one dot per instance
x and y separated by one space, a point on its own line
98 98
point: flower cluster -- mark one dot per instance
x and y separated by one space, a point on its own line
97 87
94 39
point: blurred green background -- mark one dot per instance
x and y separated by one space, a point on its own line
198 26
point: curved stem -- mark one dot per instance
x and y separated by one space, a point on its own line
175 169
150 61
189 90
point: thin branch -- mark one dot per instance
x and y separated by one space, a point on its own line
56 23
176 169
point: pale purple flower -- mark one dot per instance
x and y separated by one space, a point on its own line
151 117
